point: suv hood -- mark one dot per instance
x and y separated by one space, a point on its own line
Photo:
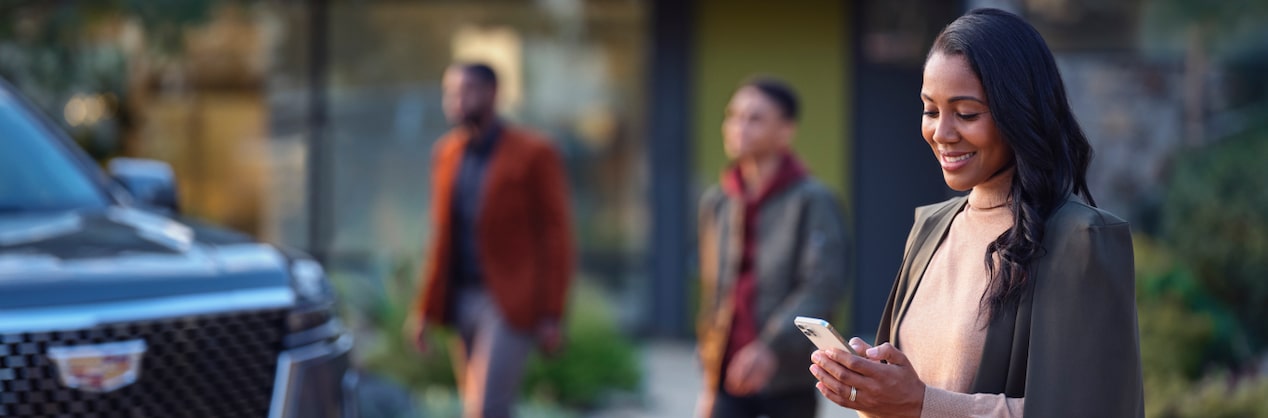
120 254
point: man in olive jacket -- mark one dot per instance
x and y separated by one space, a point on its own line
772 247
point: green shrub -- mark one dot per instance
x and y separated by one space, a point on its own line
1216 220
1185 334
1217 396
376 311
1173 340
1184 329
597 358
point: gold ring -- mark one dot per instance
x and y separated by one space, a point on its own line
854 392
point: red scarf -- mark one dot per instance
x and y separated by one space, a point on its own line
744 326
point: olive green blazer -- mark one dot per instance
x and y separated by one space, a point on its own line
1071 347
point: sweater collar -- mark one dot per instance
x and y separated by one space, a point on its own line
790 171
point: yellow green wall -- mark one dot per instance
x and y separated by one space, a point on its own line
803 42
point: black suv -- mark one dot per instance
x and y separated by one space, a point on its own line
111 304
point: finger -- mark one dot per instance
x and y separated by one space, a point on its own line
833 396
826 389
855 364
821 361
826 380
831 363
836 384
888 353
859 345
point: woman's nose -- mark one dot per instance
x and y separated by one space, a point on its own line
944 131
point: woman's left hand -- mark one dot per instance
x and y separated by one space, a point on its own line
892 389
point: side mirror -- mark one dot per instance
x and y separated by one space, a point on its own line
151 183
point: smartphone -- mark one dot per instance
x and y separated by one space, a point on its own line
822 334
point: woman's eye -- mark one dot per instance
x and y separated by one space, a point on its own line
968 116
930 113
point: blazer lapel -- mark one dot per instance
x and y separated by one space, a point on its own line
1006 340
936 225
448 160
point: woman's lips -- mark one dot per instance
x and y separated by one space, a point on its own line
952 161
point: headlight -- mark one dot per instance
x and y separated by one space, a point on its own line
312 320
304 318
310 280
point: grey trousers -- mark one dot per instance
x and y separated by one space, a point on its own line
490 361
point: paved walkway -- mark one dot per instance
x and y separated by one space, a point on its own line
673 382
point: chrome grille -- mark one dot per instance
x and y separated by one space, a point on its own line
199 366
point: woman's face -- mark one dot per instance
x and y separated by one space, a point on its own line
958 125
754 126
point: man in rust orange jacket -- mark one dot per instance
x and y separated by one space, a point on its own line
501 255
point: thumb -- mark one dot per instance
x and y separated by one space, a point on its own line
859 345
888 353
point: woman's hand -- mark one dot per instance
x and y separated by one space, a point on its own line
891 390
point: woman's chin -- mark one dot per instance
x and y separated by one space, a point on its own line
957 182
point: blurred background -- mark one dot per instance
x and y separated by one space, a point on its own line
309 124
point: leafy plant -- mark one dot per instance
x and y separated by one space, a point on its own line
1216 396
1215 220
597 358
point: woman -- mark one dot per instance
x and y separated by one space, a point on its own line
771 237
1017 299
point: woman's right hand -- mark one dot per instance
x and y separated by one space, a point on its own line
884 381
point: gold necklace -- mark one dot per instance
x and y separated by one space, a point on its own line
1006 202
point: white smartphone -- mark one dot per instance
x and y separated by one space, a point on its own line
822 334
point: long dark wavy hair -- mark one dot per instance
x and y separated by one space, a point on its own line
1028 103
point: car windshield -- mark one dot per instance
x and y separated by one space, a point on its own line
36 174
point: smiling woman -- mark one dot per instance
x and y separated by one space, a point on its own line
1018 299
957 124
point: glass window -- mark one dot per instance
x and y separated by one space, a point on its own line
35 173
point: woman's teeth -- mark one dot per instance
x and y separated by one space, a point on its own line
960 158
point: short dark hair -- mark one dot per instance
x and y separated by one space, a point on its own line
481 71
778 91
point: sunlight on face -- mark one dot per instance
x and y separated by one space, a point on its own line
957 123
754 126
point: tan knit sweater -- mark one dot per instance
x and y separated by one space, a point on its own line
944 329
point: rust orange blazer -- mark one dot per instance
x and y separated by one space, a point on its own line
523 227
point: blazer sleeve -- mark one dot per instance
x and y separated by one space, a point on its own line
708 211
1084 355
820 274
555 227
434 247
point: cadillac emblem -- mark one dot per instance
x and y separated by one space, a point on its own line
100 367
